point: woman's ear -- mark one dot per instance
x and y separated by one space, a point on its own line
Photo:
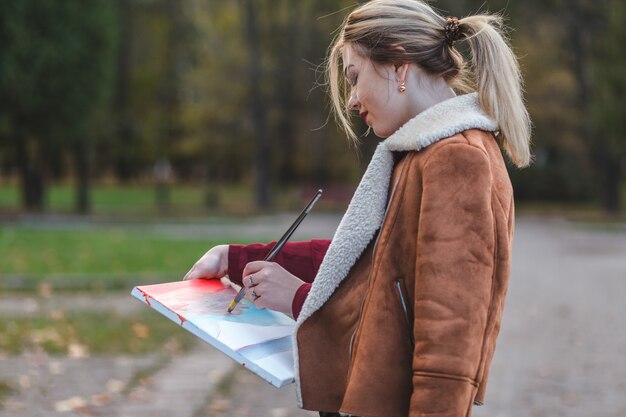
402 68
401 72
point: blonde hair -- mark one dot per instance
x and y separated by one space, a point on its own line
376 28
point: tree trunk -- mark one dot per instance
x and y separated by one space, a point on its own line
286 74
610 170
82 159
124 132
579 40
257 108
612 187
170 127
31 178
604 158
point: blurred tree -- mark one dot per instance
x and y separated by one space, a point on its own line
292 41
125 134
257 106
555 41
283 42
607 76
176 46
55 69
562 170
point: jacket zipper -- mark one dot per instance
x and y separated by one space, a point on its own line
405 310
369 275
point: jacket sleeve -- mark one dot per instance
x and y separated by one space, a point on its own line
302 259
453 277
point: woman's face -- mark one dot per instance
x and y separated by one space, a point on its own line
374 93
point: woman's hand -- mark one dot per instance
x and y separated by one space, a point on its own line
213 264
270 285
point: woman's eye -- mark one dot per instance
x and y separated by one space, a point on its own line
354 80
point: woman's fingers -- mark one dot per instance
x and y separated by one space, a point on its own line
252 294
204 270
192 274
213 264
253 280
259 271
226 282
269 285
256 266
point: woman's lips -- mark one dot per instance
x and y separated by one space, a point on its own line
364 116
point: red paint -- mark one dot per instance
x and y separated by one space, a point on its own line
146 296
198 286
201 285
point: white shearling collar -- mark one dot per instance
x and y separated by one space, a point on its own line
366 211
442 120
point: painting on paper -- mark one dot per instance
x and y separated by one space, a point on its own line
259 339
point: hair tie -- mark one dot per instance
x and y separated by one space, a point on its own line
452 30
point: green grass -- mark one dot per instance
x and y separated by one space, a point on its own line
130 200
140 200
94 332
96 258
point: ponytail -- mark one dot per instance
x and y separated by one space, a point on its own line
499 84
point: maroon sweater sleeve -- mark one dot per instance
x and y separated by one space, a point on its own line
302 259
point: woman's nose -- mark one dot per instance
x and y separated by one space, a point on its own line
353 102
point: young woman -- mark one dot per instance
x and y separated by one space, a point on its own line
398 314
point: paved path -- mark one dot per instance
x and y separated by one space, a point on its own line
562 348
28 305
179 389
561 352
47 386
315 225
128 386
248 396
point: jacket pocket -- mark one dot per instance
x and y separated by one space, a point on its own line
407 310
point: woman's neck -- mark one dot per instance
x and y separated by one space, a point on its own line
426 91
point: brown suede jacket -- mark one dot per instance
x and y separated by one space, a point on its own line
403 314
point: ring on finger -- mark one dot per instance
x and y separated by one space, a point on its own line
251 281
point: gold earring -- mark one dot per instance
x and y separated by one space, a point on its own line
402 87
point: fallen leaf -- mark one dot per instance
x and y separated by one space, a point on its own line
77 351
70 404
56 368
100 399
141 330
45 289
25 381
115 385
220 404
48 334
57 314
140 394
279 412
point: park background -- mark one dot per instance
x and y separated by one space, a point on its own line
136 134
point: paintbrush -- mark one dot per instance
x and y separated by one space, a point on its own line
278 246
